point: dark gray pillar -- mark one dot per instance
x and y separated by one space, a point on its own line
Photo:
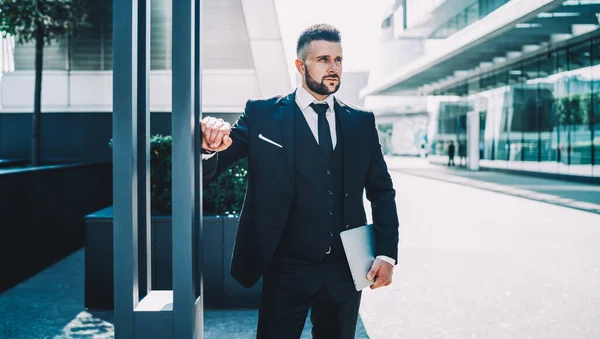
159 314
125 165
187 301
143 154
198 226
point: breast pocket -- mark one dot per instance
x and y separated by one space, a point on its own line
268 154
269 141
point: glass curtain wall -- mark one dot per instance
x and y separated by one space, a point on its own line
92 50
477 10
542 114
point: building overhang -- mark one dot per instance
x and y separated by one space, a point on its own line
396 105
518 27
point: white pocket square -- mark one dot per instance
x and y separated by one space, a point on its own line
260 136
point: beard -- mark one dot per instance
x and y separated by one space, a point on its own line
320 87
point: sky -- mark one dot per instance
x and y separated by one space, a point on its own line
358 20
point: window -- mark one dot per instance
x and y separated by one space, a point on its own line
475 11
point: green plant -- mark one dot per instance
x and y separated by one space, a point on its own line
160 174
223 196
226 194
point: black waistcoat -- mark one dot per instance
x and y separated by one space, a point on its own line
316 216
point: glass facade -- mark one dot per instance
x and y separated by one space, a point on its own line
92 49
475 11
541 114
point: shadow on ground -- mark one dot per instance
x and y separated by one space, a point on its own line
50 305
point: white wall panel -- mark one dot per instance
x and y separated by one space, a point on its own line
267 47
223 91
91 89
18 89
270 63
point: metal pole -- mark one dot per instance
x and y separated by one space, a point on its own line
187 308
143 149
404 14
199 245
125 194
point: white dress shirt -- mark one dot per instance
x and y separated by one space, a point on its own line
303 100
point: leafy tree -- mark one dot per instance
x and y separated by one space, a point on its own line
41 21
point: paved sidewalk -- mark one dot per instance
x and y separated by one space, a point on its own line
474 263
50 305
576 195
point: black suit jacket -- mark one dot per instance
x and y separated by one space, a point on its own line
271 172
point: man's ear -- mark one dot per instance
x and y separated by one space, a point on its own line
300 66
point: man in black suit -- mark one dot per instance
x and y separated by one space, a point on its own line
310 158
451 151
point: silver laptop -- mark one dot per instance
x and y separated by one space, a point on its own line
359 246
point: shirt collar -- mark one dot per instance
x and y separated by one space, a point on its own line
304 99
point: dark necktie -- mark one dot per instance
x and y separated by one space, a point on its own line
324 132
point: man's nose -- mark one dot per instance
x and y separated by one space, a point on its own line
333 68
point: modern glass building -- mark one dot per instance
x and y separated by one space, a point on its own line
242 58
524 73
543 112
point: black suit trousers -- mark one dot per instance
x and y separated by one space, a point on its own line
292 286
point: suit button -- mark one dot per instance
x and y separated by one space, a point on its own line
346 195
331 234
328 172
347 226
330 192
330 212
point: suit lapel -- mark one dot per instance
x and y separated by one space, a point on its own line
285 116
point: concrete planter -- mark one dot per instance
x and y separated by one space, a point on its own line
220 289
43 210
